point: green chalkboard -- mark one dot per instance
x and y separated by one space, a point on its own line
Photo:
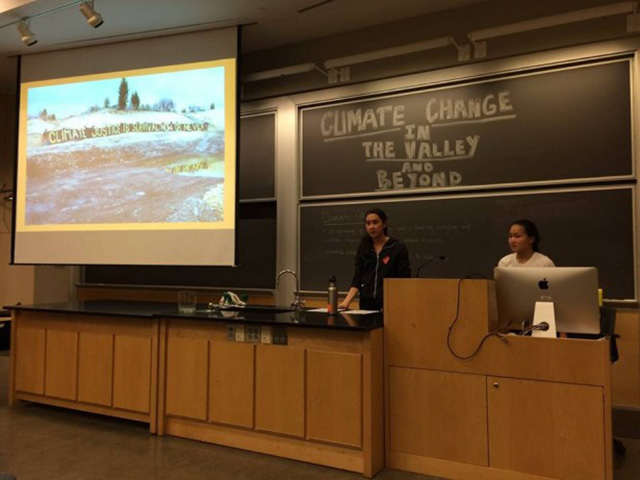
563 125
579 227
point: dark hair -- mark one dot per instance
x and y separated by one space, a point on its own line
381 214
531 230
366 241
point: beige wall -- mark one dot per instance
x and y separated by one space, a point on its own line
24 284
16 283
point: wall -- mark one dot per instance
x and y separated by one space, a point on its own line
455 23
16 283
589 39
24 284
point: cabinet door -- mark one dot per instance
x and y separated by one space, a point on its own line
187 364
549 429
29 357
334 397
95 368
280 390
62 365
132 373
231 383
438 414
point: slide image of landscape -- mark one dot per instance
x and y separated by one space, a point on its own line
137 149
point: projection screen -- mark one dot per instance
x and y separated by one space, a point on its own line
127 153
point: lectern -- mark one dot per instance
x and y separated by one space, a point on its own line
522 408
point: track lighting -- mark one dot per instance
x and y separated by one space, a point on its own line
24 25
26 35
93 18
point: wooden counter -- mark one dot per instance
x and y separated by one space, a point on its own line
100 364
318 399
523 408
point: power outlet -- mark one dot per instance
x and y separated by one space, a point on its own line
265 336
240 336
279 336
252 333
231 333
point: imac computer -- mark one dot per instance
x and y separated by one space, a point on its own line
573 291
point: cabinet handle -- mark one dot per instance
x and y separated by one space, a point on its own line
496 385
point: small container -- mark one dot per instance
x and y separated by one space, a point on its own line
187 301
332 297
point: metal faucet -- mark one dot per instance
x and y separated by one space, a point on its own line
297 303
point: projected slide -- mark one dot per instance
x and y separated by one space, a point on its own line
129 148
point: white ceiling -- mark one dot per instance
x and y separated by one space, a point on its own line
270 23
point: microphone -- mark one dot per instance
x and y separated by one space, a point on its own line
439 257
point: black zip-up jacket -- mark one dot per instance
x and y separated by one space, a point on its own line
372 269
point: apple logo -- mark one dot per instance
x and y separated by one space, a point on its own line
543 284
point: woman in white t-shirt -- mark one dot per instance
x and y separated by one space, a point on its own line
523 240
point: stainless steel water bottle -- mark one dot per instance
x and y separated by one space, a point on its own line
332 297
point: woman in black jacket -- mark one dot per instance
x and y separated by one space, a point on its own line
378 257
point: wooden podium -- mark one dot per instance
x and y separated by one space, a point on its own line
528 408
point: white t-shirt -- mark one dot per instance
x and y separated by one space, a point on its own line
536 260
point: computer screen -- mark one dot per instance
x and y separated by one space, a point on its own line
573 291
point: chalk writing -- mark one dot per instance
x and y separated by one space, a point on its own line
419 148
489 105
341 123
505 130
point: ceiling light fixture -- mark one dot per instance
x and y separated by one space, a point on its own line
93 18
23 25
26 35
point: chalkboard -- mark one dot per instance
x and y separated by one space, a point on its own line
565 125
580 227
257 157
256 257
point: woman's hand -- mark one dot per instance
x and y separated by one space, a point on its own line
344 305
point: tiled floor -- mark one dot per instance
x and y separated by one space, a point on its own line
39 442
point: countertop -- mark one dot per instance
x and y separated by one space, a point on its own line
259 314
